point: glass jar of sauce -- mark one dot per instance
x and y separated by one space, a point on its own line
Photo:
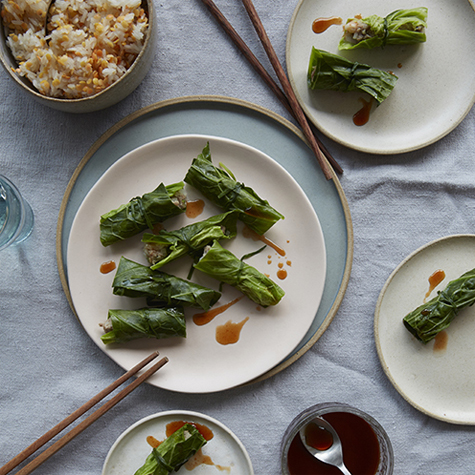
367 449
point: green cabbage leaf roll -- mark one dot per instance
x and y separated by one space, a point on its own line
142 213
173 452
224 266
136 280
126 325
167 246
332 72
398 28
221 188
430 318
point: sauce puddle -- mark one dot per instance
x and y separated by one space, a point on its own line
320 25
440 341
107 267
194 208
434 280
249 233
206 317
230 332
362 116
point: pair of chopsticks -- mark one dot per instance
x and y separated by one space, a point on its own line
287 96
22 456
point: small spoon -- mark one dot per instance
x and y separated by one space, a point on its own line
330 450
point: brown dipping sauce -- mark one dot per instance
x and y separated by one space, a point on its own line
194 208
440 341
434 280
249 233
230 332
362 116
205 317
360 447
205 431
107 267
322 24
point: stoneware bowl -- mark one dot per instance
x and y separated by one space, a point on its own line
106 98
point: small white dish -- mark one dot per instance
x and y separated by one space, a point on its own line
129 451
439 383
428 101
199 364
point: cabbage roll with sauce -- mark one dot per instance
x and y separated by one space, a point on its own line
167 246
142 213
136 280
430 318
221 188
173 452
224 266
126 325
332 72
398 28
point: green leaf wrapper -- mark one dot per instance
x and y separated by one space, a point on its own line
173 452
136 280
144 323
141 213
224 266
429 319
223 190
400 27
332 72
191 239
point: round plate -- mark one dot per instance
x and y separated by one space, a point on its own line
441 382
199 363
247 123
131 449
428 101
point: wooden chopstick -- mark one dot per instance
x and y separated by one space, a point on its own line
259 68
86 422
284 81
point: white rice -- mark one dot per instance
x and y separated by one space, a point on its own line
90 45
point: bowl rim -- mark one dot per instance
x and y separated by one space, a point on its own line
30 88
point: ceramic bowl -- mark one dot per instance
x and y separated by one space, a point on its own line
106 98
351 424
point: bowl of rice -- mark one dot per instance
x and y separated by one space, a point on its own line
89 56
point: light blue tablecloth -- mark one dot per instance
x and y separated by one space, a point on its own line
49 366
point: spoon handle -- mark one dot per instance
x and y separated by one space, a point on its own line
343 469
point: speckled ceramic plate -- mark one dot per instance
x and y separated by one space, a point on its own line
200 363
225 451
429 100
439 380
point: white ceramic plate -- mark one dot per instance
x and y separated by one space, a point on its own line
131 449
439 383
429 99
198 363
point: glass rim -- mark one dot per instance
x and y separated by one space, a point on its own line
21 201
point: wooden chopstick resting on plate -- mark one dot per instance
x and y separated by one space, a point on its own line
259 68
14 462
284 81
